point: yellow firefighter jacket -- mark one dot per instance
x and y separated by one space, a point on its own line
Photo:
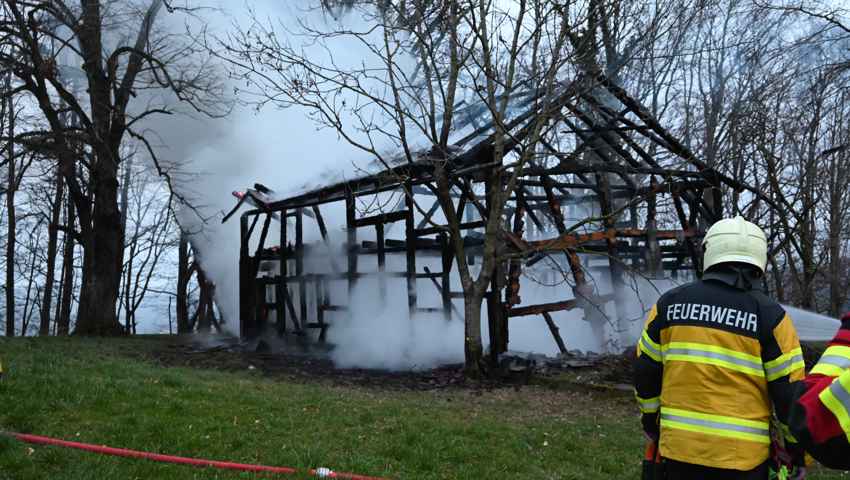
715 357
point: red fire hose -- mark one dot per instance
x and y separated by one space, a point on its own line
156 457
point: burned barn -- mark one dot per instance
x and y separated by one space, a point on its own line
617 196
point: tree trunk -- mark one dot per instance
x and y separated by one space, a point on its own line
53 232
64 318
10 208
473 349
183 275
103 252
128 275
128 279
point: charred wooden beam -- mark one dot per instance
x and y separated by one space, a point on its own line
429 214
282 259
672 143
263 234
299 264
601 133
445 277
421 232
581 287
320 314
382 218
653 253
523 204
557 306
351 241
410 239
555 332
317 215
382 260
247 294
694 250
573 240
512 296
614 263
543 307
444 293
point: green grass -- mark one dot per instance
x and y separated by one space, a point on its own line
90 390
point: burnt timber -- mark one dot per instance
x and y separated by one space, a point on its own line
647 198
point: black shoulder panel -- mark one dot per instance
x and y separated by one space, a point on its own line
712 305
771 311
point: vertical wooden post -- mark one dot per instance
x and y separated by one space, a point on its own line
581 289
614 263
693 247
410 243
446 282
246 283
320 303
382 261
322 288
512 296
280 285
653 249
351 242
299 265
261 288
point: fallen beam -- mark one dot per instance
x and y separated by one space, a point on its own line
555 306
555 332
573 240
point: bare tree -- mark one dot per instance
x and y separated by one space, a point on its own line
471 59
115 70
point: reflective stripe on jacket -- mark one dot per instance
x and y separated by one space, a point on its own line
820 418
714 361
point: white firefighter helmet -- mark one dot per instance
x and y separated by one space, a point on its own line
735 240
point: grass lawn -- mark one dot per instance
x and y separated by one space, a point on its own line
92 391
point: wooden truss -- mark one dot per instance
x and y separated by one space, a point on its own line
613 155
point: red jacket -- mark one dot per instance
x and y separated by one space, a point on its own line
820 417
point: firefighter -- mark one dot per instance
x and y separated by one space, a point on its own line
820 418
716 359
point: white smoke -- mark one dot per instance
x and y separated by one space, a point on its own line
281 148
285 151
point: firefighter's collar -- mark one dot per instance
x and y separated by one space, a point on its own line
737 277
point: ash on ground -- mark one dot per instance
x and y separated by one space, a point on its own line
299 360
294 359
